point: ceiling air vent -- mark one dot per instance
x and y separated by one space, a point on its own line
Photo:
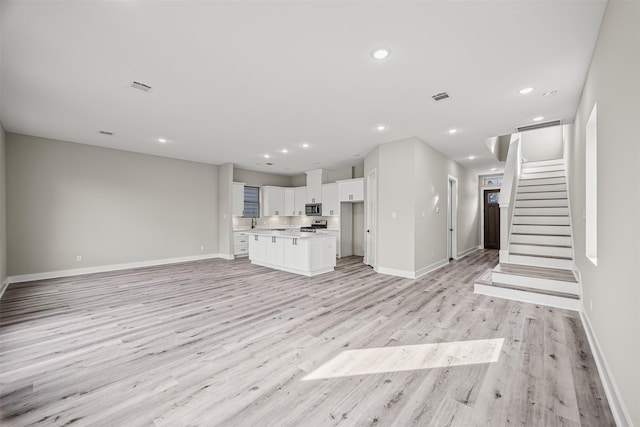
269 164
105 132
539 125
440 96
141 86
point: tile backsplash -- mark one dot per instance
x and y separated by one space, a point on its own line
280 221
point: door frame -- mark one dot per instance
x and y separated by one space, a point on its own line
452 217
371 217
481 198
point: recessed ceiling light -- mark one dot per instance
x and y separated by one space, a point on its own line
537 119
380 53
305 145
550 93
494 169
162 140
471 157
526 90
284 150
266 156
381 127
452 131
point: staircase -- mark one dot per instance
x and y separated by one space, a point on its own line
540 257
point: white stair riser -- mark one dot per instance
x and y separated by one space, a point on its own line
563 203
543 163
535 283
543 229
530 297
538 169
542 220
554 251
541 262
537 185
542 181
542 195
541 240
554 174
541 211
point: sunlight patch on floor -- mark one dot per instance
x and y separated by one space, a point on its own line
409 358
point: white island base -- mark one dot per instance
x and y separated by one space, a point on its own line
308 254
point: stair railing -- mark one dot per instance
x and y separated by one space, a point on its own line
508 192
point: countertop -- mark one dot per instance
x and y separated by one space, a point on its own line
291 234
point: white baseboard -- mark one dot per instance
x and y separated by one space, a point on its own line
3 286
467 252
106 268
412 274
618 408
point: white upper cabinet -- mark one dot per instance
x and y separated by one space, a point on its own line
330 202
238 199
315 179
290 202
351 190
273 201
300 198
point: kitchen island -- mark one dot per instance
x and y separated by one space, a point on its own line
308 254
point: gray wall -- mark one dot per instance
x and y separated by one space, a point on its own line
358 229
542 144
613 285
3 207
259 179
109 206
412 180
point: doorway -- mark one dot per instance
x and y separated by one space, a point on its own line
491 219
370 226
452 218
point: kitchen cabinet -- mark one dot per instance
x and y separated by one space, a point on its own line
308 254
258 248
273 201
238 199
240 244
300 199
290 201
315 179
274 251
336 234
351 190
330 203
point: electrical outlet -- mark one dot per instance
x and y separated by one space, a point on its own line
393 215
79 258
202 247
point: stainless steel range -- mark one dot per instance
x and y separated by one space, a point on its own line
315 225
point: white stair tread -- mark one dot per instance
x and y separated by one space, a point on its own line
540 239
541 211
543 163
542 195
542 203
541 250
553 174
526 168
541 261
542 188
567 303
536 272
541 220
555 230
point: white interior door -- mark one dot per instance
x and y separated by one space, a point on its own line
452 218
370 226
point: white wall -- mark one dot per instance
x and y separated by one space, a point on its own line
109 206
3 207
358 229
542 144
412 181
225 210
613 286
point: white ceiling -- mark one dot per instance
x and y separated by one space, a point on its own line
235 80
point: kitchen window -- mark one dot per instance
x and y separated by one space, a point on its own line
251 201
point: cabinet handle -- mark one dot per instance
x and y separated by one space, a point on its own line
255 237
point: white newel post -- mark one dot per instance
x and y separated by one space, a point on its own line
508 194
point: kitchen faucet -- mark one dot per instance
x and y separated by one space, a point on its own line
254 222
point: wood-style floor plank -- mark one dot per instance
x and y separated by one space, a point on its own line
225 343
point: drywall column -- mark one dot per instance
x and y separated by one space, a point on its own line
225 210
3 210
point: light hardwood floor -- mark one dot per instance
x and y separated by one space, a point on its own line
227 343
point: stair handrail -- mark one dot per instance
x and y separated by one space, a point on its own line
508 191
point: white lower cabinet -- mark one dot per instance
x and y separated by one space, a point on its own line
296 254
240 244
274 251
258 248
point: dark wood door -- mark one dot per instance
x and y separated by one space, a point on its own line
491 219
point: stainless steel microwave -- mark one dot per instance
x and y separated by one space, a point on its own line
313 209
